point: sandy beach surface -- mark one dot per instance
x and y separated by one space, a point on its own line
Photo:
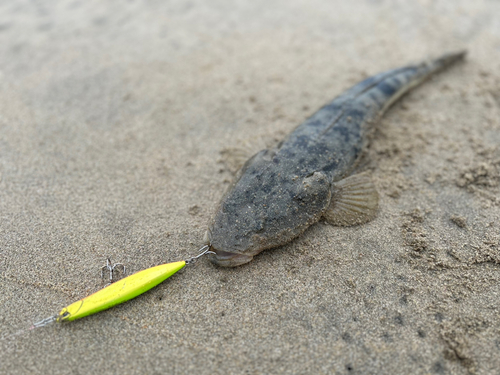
121 125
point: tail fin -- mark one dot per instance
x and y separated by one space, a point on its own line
395 85
445 61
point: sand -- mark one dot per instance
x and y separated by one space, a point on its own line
121 124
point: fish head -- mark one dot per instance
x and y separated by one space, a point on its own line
264 210
235 234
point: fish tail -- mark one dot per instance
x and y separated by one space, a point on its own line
402 80
445 61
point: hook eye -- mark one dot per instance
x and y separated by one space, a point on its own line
63 316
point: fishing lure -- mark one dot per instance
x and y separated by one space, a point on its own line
120 291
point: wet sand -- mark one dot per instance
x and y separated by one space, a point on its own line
121 125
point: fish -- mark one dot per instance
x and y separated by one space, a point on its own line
279 193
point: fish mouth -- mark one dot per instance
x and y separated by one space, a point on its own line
228 259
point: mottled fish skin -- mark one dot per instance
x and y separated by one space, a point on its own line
279 193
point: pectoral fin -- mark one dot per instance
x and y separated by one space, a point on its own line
354 201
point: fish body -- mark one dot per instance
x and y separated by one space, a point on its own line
279 193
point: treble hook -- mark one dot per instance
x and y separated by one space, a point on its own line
44 322
203 251
112 268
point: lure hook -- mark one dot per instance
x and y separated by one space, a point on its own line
119 267
44 322
202 251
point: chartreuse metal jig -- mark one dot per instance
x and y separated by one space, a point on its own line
120 291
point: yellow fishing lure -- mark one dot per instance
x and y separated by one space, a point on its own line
120 291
